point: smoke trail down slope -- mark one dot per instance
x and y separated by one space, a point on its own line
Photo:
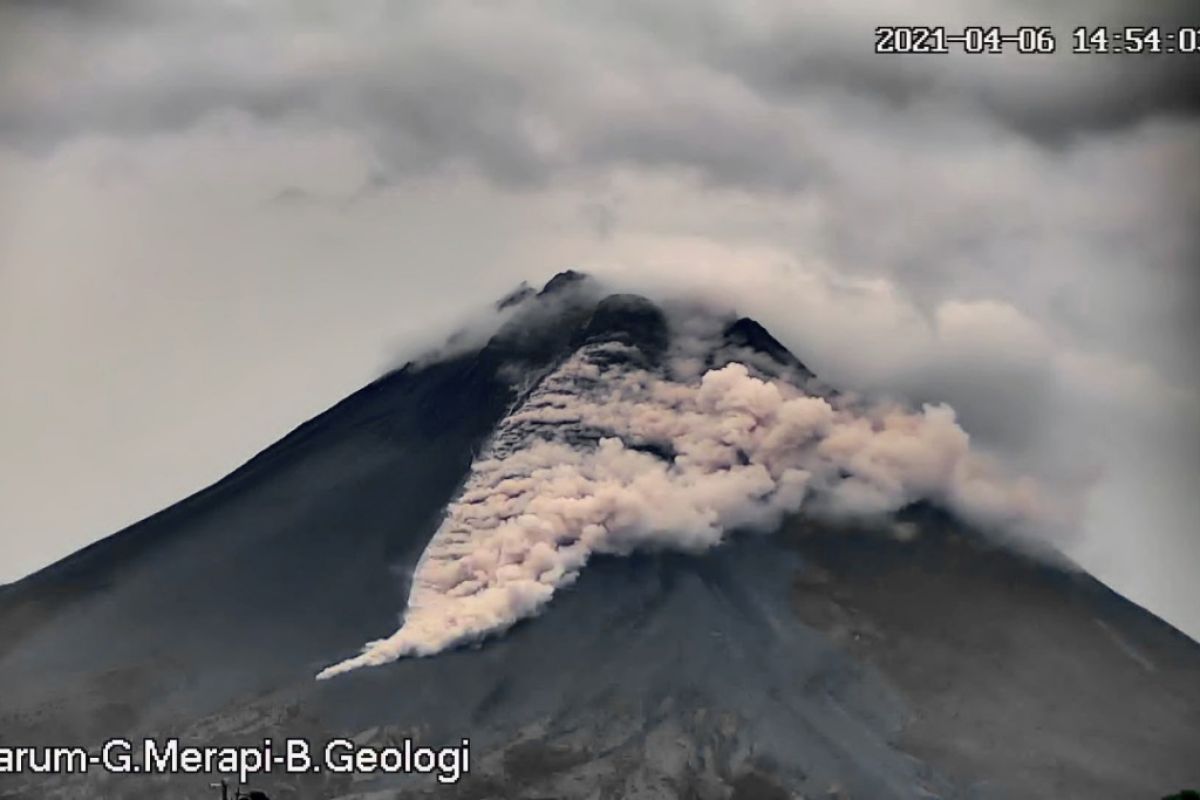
611 453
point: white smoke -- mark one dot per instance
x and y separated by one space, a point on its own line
605 456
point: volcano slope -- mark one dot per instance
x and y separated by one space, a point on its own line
907 658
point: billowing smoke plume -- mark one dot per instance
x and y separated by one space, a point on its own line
606 455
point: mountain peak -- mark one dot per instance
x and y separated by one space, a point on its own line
573 309
563 280
630 319
748 333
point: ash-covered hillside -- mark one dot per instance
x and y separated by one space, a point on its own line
640 552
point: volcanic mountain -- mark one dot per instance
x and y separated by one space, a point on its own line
629 551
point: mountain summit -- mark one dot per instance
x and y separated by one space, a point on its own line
627 550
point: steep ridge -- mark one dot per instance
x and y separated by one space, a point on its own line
826 660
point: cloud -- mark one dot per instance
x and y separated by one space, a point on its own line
792 52
524 91
976 176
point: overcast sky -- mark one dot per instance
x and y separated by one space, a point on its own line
218 218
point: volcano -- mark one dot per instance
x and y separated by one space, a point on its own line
626 551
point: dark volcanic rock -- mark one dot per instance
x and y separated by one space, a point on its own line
745 332
515 297
814 663
563 281
631 320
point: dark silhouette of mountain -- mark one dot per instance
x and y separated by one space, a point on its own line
821 661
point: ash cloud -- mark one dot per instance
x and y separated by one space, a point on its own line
607 456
